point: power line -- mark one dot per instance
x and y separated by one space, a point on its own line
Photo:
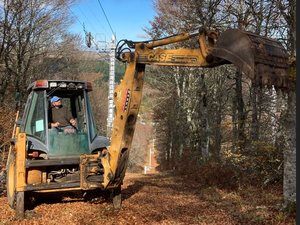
100 21
83 25
106 18
76 17
87 34
89 22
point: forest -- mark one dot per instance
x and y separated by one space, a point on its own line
216 119
212 125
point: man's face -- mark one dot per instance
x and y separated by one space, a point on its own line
57 103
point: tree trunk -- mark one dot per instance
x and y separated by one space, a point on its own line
240 110
254 122
204 122
217 136
289 179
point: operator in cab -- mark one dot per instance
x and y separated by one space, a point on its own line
61 118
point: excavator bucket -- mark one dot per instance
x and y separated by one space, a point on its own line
263 60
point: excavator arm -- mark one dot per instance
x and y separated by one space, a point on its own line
262 59
148 53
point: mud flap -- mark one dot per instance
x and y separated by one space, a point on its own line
263 60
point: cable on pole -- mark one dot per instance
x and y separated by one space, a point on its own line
106 18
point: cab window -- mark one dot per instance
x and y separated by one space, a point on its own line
35 118
92 125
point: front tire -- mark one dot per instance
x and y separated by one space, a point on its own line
11 181
16 200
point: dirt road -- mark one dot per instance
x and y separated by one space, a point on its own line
158 199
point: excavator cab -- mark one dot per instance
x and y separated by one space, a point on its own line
46 142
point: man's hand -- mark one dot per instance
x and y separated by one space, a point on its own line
55 124
73 122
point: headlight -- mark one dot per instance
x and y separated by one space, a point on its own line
53 84
63 85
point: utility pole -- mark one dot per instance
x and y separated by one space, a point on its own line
110 116
111 81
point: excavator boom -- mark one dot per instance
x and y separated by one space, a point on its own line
262 59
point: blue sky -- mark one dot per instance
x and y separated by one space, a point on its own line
126 17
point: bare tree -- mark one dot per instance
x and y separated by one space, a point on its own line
31 27
254 110
192 132
62 61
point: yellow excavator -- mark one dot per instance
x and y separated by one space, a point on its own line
42 159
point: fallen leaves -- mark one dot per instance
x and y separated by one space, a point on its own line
158 199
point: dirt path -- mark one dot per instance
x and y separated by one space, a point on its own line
159 199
